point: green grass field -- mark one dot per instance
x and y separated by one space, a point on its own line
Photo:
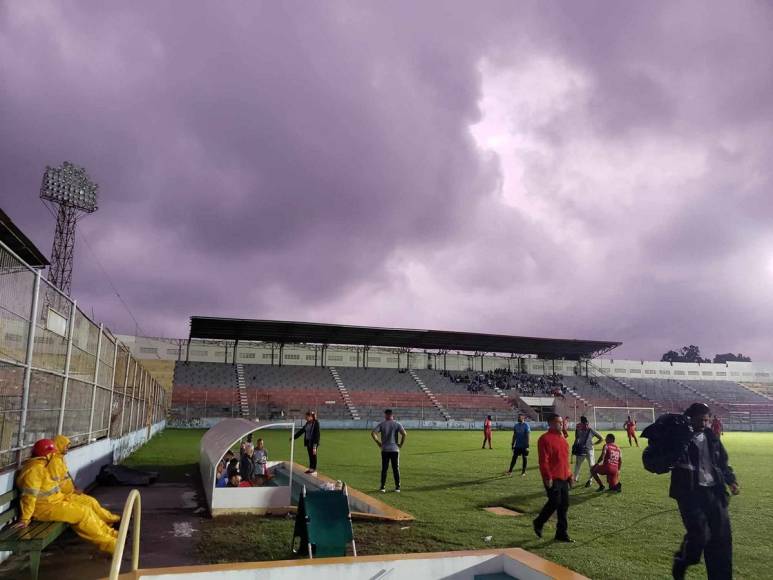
448 479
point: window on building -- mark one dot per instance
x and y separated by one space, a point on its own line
196 352
635 371
621 371
693 373
148 350
707 374
246 355
391 359
678 372
374 359
649 371
721 374
173 351
292 357
665 372
310 357
267 355
336 358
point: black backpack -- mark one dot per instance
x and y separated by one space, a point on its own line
667 440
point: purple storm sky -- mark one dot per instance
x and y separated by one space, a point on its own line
578 170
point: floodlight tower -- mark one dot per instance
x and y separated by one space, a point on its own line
70 188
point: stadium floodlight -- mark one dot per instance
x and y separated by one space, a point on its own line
69 185
72 190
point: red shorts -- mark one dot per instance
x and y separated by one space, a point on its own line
611 471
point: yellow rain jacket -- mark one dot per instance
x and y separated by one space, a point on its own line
57 467
42 500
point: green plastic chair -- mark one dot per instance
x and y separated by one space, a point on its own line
324 524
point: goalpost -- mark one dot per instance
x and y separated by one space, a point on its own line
616 417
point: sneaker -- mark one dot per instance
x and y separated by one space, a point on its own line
587 483
565 539
397 490
523 474
537 528
382 490
619 488
313 473
308 471
509 473
601 488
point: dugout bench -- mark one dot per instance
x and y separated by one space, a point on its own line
31 540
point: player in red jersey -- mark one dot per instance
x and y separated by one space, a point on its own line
609 464
716 426
630 429
487 432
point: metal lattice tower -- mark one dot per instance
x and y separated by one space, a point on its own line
70 188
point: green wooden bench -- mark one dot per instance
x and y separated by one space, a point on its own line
33 539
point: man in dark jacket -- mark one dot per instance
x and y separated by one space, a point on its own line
698 481
310 432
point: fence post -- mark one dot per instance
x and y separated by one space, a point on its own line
112 388
25 397
94 385
68 358
125 389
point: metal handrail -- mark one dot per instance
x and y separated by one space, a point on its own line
133 506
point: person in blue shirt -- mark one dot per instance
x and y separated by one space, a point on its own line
520 444
221 480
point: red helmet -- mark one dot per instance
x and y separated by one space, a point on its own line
43 447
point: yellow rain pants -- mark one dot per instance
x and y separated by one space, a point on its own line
42 500
57 467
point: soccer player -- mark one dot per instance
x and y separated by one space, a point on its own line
716 427
487 432
585 437
610 462
630 429
556 476
388 431
520 444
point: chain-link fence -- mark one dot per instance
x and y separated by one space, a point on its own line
60 372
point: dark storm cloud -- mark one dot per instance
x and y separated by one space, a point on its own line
330 161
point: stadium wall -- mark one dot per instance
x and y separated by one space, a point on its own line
170 350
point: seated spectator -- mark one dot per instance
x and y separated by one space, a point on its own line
229 455
221 479
235 480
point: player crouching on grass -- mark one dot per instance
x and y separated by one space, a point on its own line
610 462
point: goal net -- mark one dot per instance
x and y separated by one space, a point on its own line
615 417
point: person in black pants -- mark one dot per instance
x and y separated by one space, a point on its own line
310 432
556 477
386 434
698 481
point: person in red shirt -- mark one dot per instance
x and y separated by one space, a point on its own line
487 432
630 429
553 453
565 427
609 464
716 426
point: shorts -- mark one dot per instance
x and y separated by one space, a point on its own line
612 473
518 451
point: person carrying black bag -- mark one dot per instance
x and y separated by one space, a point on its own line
698 480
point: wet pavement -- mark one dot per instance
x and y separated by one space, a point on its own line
173 511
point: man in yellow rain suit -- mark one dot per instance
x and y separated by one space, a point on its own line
41 500
57 467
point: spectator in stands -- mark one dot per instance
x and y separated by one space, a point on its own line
247 463
311 437
520 444
716 426
698 481
556 477
487 432
385 434
585 437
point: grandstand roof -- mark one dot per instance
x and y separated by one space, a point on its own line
311 332
20 244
